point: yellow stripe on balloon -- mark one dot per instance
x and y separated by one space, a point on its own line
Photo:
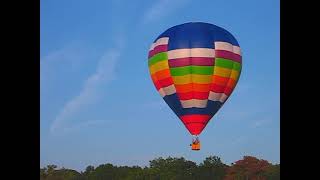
161 65
192 78
226 72
223 72
235 75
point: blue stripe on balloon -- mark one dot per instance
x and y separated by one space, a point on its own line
174 103
196 35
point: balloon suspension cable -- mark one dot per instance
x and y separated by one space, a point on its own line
195 139
195 136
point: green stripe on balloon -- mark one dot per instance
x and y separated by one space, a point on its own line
237 66
158 57
226 63
201 70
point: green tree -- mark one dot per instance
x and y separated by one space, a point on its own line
135 173
172 168
51 169
43 173
52 173
212 168
89 170
102 171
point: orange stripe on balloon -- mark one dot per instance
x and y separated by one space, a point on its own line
222 81
231 83
183 88
161 74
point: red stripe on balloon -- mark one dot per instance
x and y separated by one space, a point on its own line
165 82
228 90
217 88
195 128
195 123
195 118
193 95
157 85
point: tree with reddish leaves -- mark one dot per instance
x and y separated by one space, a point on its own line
249 168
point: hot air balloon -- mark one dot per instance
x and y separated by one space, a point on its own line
195 68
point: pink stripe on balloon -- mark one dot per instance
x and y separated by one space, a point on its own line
228 55
196 61
151 53
158 49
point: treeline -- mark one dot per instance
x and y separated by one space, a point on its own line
212 168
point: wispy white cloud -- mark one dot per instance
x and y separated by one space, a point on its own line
72 56
105 72
260 123
162 8
83 125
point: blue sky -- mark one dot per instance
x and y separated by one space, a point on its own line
98 103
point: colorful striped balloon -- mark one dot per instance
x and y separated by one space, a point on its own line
195 67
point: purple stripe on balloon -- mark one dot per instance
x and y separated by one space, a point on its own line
196 61
227 55
158 49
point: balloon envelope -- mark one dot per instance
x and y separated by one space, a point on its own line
195 67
